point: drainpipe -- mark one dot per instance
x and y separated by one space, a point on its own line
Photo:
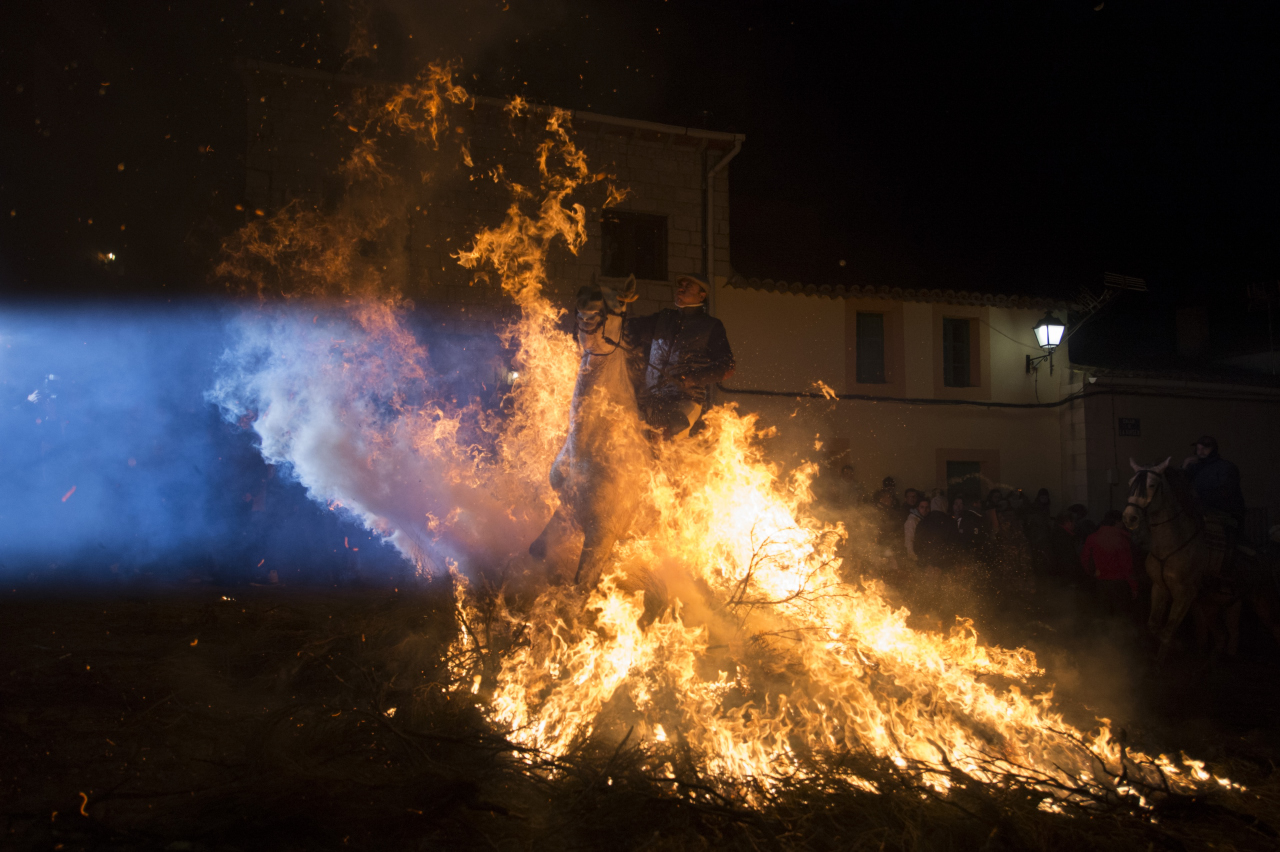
711 220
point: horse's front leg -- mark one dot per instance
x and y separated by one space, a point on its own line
1160 598
596 547
610 508
1183 591
558 522
559 478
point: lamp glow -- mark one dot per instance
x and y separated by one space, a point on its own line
1049 332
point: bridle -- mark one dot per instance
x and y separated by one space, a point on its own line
616 344
602 316
1140 484
605 314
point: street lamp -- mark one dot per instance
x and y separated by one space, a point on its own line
1048 334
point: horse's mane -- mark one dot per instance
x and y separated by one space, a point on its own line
1180 486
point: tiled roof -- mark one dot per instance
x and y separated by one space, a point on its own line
904 294
1204 373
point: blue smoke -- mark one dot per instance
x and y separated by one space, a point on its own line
117 466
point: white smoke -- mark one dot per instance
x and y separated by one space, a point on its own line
347 401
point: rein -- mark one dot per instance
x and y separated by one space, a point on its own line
1152 524
618 344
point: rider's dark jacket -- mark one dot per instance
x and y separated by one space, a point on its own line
678 353
1217 484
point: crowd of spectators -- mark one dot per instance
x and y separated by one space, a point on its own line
1006 544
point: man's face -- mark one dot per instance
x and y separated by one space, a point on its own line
689 294
1204 450
923 507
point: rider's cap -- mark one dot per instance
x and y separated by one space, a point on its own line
1206 441
683 278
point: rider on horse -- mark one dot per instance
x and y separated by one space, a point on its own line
677 354
1216 483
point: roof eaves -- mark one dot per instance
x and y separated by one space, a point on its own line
616 121
900 294
1204 375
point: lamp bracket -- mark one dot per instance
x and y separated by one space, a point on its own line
1034 363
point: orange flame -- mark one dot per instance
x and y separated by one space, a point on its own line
750 573
764 656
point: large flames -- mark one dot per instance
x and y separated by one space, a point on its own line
729 635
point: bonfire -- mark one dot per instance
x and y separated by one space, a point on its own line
733 644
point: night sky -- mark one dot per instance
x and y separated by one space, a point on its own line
1009 147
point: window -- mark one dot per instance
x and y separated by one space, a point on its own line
957 352
634 244
964 479
870 342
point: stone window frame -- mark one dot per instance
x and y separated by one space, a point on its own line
895 374
980 351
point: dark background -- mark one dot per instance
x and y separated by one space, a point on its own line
1008 147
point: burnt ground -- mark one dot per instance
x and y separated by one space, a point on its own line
256 717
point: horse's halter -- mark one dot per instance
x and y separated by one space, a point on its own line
1142 493
589 322
602 306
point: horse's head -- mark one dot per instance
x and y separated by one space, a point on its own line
1144 487
601 309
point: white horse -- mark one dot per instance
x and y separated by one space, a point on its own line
599 471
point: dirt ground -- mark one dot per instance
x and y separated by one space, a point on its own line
261 717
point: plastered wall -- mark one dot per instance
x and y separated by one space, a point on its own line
785 342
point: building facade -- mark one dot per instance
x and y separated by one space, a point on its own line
674 219
1150 415
928 386
916 400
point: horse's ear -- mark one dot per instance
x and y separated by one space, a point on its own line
1160 467
1133 464
628 292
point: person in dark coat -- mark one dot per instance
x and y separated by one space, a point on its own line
888 493
1215 480
1082 527
936 538
973 528
676 354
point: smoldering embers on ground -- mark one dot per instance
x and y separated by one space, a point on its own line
294 718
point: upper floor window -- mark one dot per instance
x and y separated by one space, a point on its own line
634 244
958 356
870 348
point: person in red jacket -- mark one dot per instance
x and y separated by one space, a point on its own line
1108 557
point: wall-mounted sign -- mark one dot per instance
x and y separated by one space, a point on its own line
1130 427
